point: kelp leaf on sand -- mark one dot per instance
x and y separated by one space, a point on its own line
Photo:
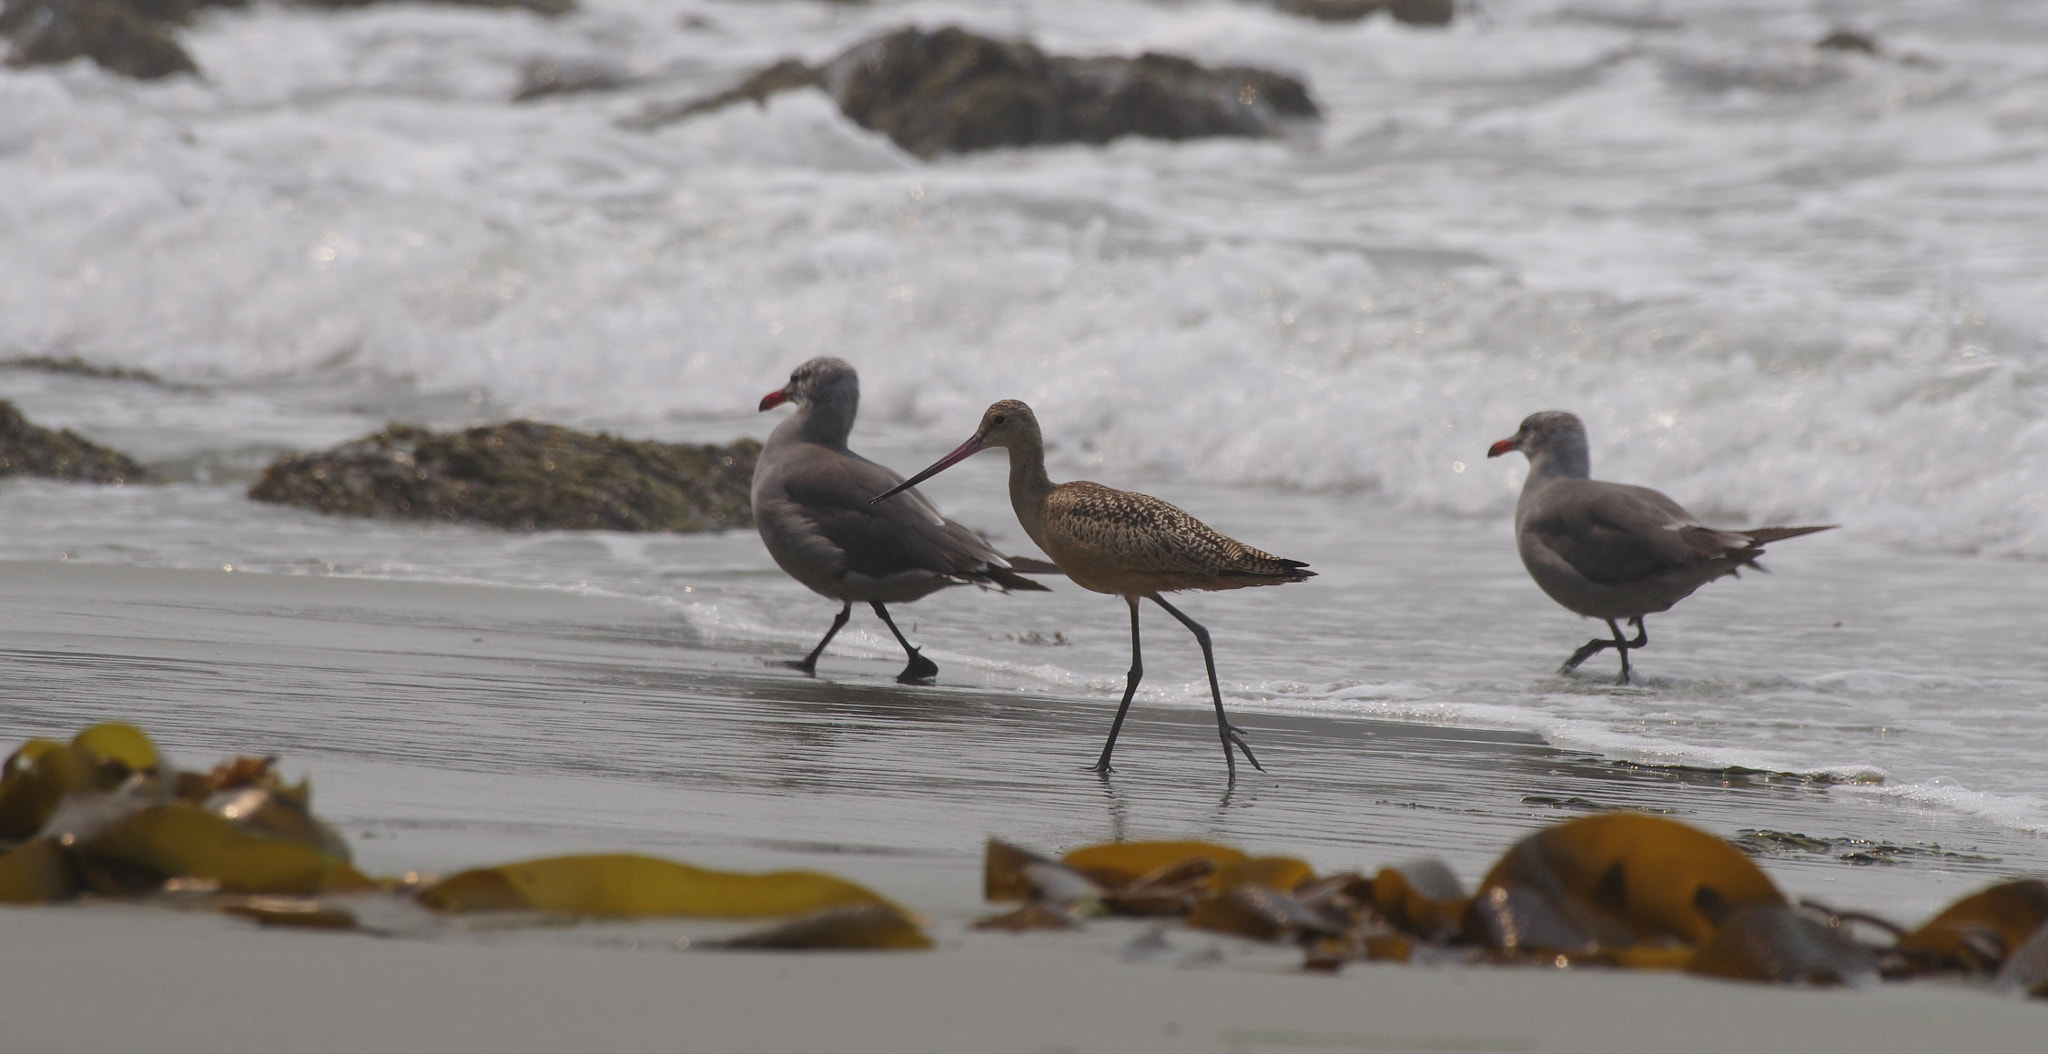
624 885
1613 881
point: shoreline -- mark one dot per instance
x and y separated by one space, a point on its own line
447 726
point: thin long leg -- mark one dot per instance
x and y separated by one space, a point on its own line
1230 734
809 664
1130 688
921 670
1620 643
1623 646
1586 651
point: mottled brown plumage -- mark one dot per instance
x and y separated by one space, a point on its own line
1121 542
1117 541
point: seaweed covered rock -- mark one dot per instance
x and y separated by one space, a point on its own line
1412 12
542 7
130 37
542 77
525 475
949 90
30 450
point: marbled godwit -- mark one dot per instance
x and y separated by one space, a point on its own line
1609 550
1116 541
810 505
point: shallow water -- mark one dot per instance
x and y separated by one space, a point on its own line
447 726
1782 284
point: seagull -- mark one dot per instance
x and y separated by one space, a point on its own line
810 505
1612 551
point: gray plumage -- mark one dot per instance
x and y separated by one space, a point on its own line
810 498
1613 551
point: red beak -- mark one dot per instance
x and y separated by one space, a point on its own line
774 399
1495 450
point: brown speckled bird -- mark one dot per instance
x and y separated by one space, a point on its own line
1116 541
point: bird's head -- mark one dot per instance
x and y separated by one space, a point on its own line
1552 439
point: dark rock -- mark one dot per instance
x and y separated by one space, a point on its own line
783 76
1848 40
951 90
542 77
31 450
1412 12
543 7
524 475
113 33
1422 12
74 366
1331 10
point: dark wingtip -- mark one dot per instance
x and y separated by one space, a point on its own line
1010 581
1027 565
1293 571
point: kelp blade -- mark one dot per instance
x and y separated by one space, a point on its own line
1979 932
1422 898
1121 863
119 744
1611 881
1262 913
293 912
39 775
1284 873
625 885
1013 873
278 812
863 927
36 872
1781 944
180 841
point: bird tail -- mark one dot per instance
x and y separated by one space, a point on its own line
1012 577
1761 536
1767 535
1028 566
1284 570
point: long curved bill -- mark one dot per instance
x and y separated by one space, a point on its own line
960 453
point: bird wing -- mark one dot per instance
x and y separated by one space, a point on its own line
1143 534
829 490
1613 533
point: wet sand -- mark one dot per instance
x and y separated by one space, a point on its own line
104 980
451 725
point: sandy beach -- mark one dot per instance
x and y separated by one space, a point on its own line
448 725
1789 262
75 982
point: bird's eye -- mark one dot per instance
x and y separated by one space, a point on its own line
1000 419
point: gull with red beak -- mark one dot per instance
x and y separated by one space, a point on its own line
1115 541
810 505
1609 550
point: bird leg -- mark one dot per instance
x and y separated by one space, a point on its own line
809 664
1620 643
1623 646
1230 734
1130 689
921 670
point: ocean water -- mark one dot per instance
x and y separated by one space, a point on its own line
1781 284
